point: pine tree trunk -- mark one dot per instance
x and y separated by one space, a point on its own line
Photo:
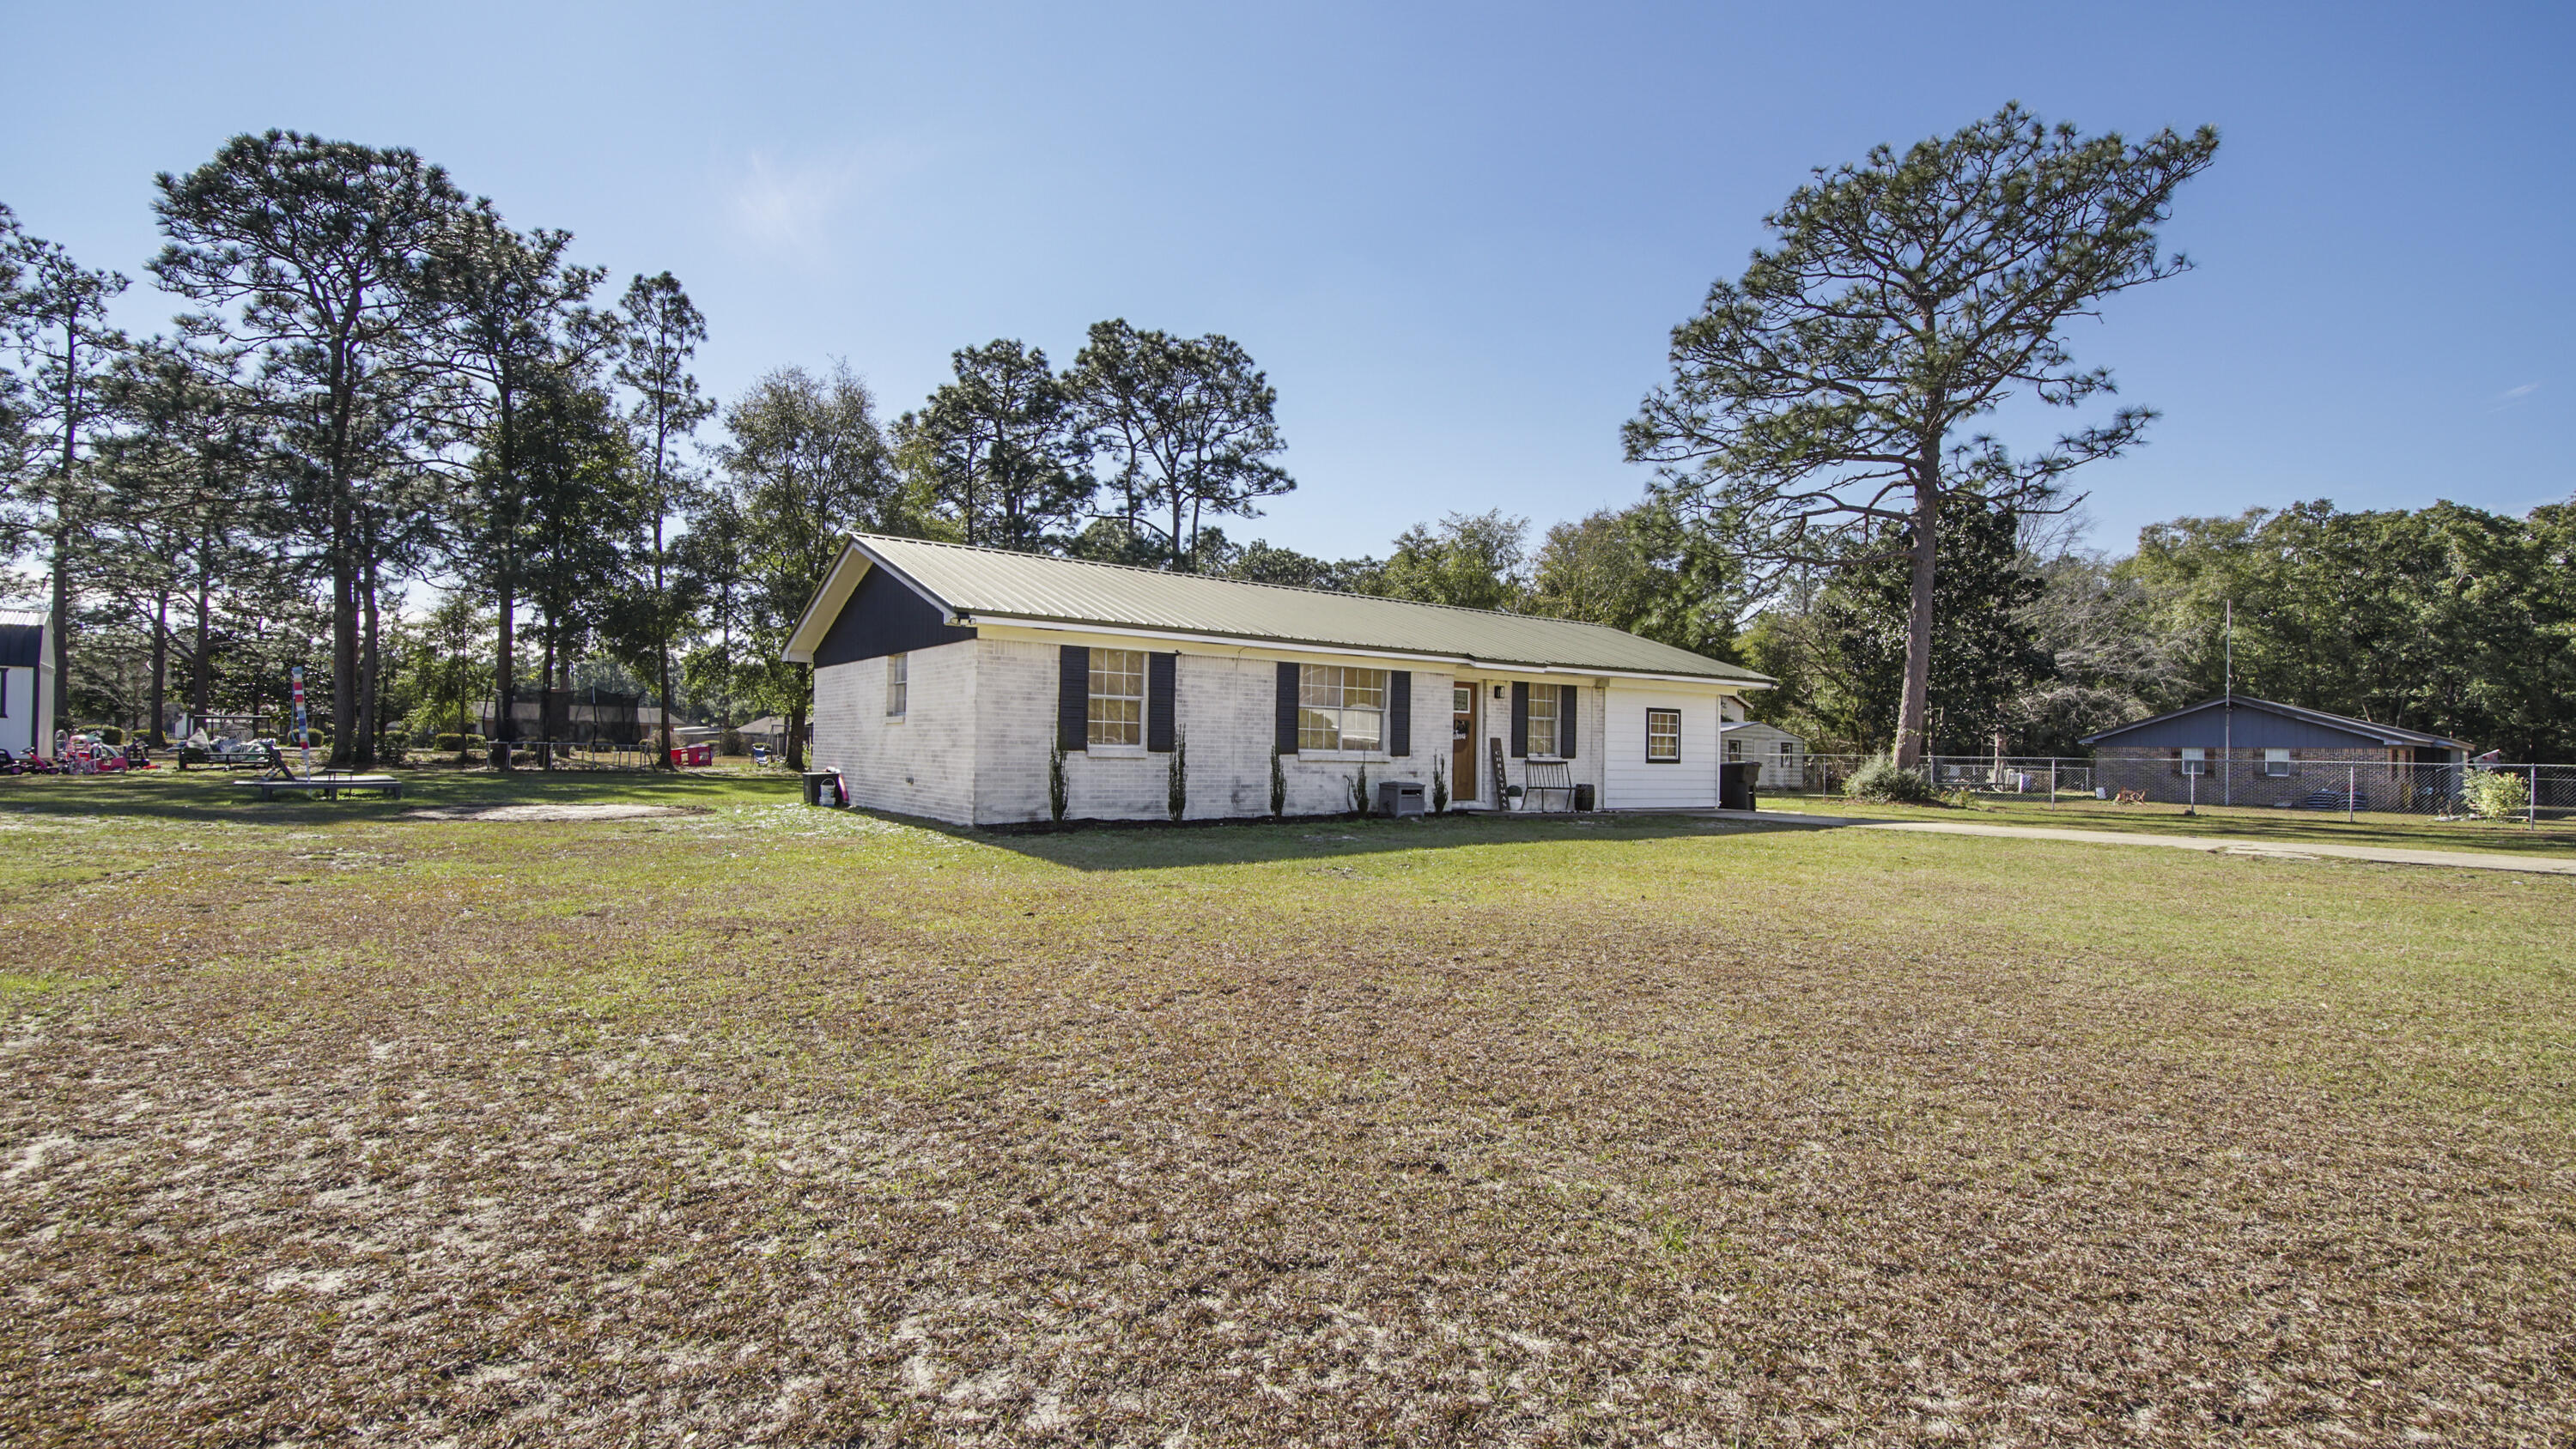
160 737
201 684
344 637
1915 708
369 726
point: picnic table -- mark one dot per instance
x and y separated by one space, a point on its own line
329 786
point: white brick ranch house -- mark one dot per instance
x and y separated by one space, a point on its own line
946 676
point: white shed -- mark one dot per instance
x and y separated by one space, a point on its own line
1783 756
27 704
964 684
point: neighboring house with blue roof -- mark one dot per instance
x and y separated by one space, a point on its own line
947 678
2240 750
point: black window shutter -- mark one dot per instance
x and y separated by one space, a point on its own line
1073 699
1287 740
1399 712
1161 670
1565 722
1520 719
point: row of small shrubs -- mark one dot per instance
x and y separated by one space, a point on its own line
456 744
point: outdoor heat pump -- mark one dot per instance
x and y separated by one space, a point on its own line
1399 798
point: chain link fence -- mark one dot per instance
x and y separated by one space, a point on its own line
2353 790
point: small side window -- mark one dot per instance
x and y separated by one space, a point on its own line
1663 736
898 685
2276 762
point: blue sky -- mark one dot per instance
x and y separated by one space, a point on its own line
1455 236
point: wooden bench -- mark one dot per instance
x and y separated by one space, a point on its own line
330 786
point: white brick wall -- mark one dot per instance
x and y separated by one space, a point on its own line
973 745
921 764
1226 713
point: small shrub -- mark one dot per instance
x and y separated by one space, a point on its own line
449 743
1176 785
1959 799
1278 786
1359 791
393 749
110 735
731 744
1881 780
1439 790
2497 794
1059 799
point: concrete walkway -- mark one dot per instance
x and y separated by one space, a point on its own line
2208 844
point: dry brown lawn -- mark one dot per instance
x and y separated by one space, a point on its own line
334 1125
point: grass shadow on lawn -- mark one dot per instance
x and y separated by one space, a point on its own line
202 796
1147 846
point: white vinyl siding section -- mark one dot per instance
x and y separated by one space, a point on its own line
1629 781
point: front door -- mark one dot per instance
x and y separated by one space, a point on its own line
1462 742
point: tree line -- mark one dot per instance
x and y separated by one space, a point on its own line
377 385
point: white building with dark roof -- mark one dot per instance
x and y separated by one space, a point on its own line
27 704
969 684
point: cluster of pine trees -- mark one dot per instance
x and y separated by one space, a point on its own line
400 442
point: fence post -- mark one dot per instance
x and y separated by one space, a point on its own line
2052 782
2531 802
2351 783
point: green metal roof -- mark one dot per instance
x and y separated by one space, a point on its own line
994 586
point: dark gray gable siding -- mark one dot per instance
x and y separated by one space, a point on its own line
2253 729
884 616
20 645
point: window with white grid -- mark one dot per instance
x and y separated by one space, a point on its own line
1340 708
1542 721
1663 736
1117 712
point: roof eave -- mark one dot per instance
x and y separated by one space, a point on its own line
1328 646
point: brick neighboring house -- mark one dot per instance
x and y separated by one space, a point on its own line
2246 751
947 677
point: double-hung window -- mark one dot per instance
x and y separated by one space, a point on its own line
1340 708
2276 762
2195 760
1543 720
1663 736
1117 709
898 685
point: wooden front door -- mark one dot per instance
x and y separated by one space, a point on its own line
1462 742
